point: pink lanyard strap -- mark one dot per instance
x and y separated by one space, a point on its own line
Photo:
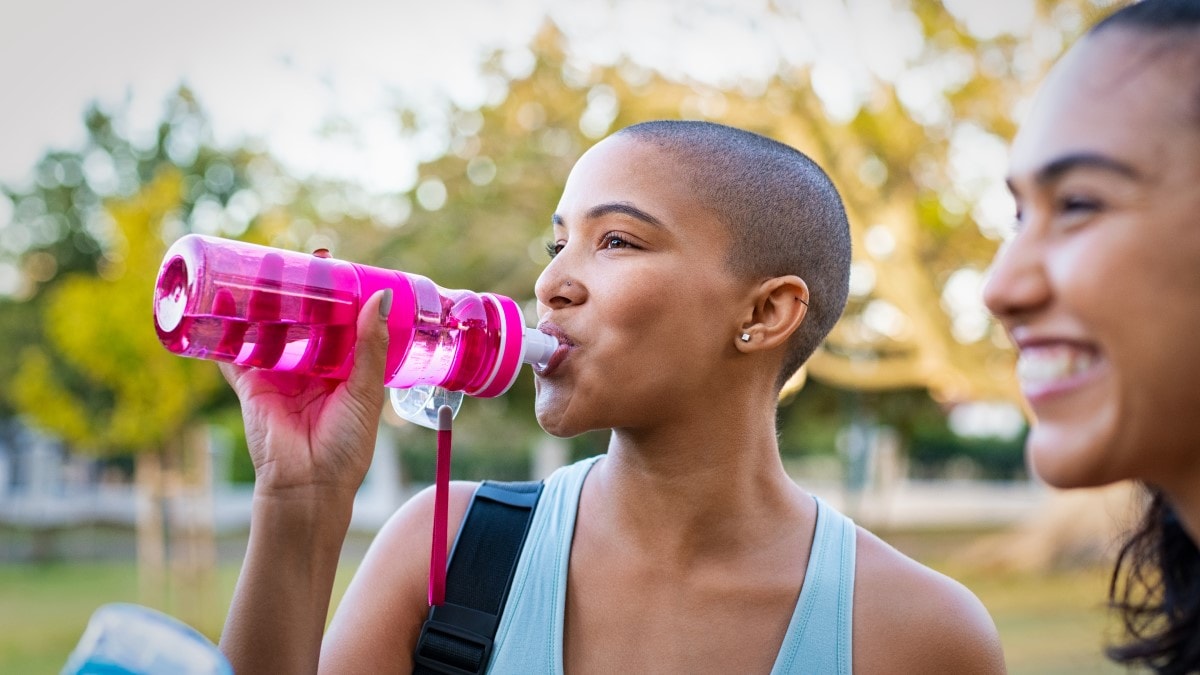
441 503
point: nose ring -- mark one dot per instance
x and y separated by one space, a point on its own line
568 282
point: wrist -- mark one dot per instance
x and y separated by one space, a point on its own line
294 494
316 509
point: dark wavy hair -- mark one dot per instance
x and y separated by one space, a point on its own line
1155 586
1156 589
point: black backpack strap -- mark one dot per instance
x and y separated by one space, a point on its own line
457 637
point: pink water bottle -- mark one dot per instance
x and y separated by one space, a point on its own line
294 312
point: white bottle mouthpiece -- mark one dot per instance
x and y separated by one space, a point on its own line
538 348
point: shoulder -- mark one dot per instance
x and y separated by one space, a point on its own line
421 505
909 618
407 531
406 535
377 623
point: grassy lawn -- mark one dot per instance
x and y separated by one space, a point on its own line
1049 624
45 608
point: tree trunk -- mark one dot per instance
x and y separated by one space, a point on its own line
151 539
193 566
175 533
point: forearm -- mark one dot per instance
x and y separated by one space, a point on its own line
281 601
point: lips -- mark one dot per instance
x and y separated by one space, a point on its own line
565 345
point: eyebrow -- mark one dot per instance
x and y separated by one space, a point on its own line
1058 168
622 208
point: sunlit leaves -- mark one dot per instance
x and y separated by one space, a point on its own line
131 394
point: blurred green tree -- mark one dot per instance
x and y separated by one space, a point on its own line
131 395
86 365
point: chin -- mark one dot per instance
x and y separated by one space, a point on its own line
567 411
554 420
561 431
1069 460
554 428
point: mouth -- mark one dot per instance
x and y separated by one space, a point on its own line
565 345
1048 369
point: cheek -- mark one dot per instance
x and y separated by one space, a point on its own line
1157 373
682 326
1135 295
1084 273
644 308
662 336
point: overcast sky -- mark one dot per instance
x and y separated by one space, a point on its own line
277 70
272 69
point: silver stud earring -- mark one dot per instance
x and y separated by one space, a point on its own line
745 337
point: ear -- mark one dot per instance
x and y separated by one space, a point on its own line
779 307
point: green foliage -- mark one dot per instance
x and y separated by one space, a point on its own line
933 455
19 327
228 420
60 225
810 423
467 463
89 236
98 330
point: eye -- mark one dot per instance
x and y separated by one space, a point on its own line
611 241
1075 204
1075 210
553 248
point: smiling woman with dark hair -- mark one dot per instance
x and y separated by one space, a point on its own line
1100 291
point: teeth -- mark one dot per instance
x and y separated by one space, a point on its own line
1042 365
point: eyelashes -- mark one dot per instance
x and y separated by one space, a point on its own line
615 241
608 241
1073 204
1063 210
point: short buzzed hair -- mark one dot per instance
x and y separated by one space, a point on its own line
782 210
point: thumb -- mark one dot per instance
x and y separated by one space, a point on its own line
370 349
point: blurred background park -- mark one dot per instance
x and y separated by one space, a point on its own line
434 138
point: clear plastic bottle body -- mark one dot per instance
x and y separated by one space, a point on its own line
255 306
292 312
128 639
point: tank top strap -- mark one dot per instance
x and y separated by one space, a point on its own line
819 638
529 638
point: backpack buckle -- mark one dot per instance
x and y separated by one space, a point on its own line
450 649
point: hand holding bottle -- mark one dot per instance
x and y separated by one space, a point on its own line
307 432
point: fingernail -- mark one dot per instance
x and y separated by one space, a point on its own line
385 305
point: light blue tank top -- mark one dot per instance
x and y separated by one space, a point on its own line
529 639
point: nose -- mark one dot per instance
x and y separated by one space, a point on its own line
1017 284
556 288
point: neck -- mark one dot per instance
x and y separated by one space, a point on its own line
1186 505
1181 489
689 489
